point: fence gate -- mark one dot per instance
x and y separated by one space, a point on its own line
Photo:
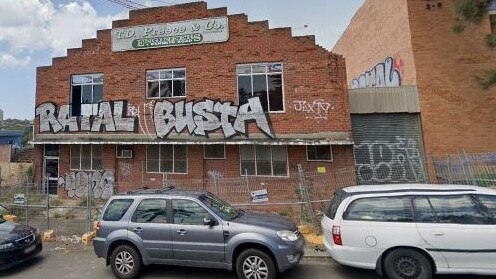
388 148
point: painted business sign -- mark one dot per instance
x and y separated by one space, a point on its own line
191 32
198 118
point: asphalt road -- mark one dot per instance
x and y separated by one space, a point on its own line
61 264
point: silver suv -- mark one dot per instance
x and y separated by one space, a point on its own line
197 229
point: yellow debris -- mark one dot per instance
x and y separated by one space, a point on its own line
305 229
49 235
11 218
314 239
88 237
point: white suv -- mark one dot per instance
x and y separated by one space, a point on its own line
413 231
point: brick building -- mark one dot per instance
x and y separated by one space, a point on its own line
413 89
186 92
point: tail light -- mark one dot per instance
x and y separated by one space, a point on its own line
336 235
98 226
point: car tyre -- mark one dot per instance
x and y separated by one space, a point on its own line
125 262
255 264
407 264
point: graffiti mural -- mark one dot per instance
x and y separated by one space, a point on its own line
199 118
384 74
110 118
318 109
76 184
397 161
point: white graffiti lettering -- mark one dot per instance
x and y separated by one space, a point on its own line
389 161
76 184
206 116
110 118
318 109
384 74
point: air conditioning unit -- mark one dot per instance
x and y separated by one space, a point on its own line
125 152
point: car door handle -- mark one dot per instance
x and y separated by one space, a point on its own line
182 232
138 230
438 234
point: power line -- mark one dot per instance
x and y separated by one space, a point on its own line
135 3
121 4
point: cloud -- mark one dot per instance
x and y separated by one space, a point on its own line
9 60
34 25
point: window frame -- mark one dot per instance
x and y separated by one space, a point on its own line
212 158
173 159
172 79
167 212
80 158
271 164
320 160
410 208
93 75
267 83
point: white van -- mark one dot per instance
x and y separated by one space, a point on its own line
413 231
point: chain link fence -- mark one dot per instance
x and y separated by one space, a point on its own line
301 196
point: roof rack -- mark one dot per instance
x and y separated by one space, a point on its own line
146 190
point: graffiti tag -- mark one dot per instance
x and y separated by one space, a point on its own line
76 184
318 109
389 161
384 74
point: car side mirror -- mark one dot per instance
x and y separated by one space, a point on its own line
209 221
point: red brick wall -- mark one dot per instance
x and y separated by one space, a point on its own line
197 167
310 72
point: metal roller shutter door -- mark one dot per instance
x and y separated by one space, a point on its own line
388 148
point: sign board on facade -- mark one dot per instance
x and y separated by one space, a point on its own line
19 199
191 32
260 196
321 170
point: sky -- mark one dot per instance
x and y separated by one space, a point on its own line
34 31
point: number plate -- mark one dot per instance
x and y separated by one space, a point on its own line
29 249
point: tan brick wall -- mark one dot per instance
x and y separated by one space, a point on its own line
457 115
5 153
13 173
379 29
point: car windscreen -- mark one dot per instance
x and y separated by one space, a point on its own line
220 207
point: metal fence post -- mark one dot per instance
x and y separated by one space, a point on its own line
48 202
306 198
26 199
248 186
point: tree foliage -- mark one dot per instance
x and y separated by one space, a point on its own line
474 12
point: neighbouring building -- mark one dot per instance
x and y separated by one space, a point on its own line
187 92
1 118
413 93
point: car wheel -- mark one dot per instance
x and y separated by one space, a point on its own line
255 264
407 264
125 262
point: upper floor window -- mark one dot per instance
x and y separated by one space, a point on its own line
86 157
166 83
264 81
86 93
492 18
215 151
